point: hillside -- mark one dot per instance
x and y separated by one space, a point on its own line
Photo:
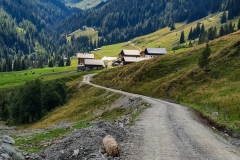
177 77
117 23
42 14
167 38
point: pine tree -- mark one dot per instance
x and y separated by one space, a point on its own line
172 26
61 62
182 39
68 63
198 29
50 63
202 28
15 65
231 27
212 33
190 44
224 17
204 59
190 37
226 29
221 31
23 65
203 38
238 24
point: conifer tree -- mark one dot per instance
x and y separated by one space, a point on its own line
203 38
50 63
224 17
68 63
190 44
204 59
172 27
231 27
24 67
202 28
221 32
182 39
61 62
198 29
190 34
212 33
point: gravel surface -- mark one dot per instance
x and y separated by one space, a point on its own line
169 131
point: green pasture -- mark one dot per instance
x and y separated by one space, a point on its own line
113 50
14 79
88 32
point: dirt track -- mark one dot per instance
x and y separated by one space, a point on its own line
169 131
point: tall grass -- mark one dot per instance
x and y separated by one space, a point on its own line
178 77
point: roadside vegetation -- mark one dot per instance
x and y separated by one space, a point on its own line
178 77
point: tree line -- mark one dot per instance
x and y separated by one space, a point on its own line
204 35
31 101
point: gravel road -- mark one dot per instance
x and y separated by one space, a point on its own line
169 131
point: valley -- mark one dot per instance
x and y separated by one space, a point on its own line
180 105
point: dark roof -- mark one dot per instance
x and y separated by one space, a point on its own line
156 51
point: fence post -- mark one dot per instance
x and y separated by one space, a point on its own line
218 108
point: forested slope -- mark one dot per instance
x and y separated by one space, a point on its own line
42 13
121 20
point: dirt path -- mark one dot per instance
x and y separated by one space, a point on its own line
169 131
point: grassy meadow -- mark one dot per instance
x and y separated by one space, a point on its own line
113 50
14 79
85 4
178 77
88 32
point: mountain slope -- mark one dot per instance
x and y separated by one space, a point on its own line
178 77
121 20
43 14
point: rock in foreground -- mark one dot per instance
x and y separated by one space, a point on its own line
84 143
111 146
